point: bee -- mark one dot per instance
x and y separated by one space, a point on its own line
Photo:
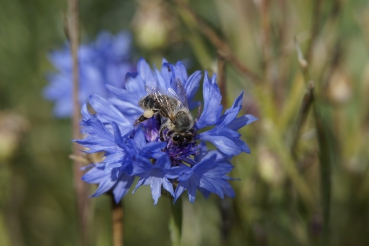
173 108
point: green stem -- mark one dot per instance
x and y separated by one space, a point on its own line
325 173
175 223
324 145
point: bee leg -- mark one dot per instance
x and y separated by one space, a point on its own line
145 116
193 131
139 120
162 132
169 134
199 111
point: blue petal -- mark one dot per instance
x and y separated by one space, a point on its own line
165 73
99 138
122 187
63 108
212 99
212 185
114 160
155 185
105 61
154 149
94 175
192 85
236 104
141 166
179 190
144 70
181 69
241 122
227 189
204 192
106 110
177 75
122 45
220 170
140 139
177 172
104 186
191 190
163 162
129 110
161 82
223 143
117 135
238 101
140 182
229 117
168 186
85 113
61 59
207 163
129 97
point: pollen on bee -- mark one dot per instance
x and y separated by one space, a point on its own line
148 113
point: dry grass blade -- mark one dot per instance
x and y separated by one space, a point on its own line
223 48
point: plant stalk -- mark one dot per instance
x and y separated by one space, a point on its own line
80 188
117 217
175 223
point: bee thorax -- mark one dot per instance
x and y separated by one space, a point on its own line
184 121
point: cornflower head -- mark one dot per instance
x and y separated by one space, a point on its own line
104 61
147 130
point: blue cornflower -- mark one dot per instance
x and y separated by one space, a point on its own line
149 149
116 170
104 61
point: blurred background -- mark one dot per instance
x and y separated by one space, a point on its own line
304 67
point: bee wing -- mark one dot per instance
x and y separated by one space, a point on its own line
167 108
179 93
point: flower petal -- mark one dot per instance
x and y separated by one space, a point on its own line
107 111
122 187
212 99
241 122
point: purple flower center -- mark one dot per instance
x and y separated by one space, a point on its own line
179 147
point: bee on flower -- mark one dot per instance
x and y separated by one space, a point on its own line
147 131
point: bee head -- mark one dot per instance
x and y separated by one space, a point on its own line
181 140
184 138
177 139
